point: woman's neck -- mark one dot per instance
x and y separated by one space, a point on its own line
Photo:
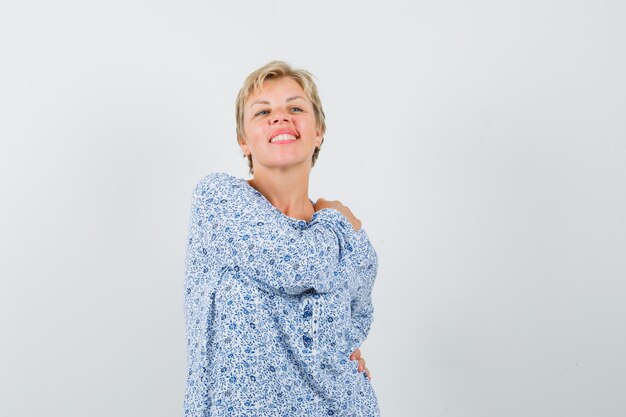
286 191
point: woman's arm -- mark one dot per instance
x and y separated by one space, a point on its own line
252 242
362 309
201 274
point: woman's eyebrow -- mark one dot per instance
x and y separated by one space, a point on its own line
293 98
259 102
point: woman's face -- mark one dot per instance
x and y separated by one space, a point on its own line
279 110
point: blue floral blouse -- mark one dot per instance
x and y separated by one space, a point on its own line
274 306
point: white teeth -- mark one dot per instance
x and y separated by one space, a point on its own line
284 136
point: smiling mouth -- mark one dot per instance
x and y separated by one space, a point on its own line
283 137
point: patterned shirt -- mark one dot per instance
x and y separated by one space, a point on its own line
274 306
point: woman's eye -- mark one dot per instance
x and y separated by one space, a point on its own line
262 113
296 109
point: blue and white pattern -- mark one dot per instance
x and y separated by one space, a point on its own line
274 306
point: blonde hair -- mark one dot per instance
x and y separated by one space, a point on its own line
272 71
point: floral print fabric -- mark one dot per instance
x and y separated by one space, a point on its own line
274 306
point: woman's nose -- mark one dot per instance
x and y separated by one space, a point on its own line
280 116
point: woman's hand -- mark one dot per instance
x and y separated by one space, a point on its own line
356 355
323 203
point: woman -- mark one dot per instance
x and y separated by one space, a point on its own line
277 288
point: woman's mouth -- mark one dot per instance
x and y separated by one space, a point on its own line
283 139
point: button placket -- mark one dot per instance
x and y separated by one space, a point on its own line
315 322
307 320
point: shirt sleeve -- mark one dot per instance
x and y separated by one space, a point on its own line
362 309
276 255
201 273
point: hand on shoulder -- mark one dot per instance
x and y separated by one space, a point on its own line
322 203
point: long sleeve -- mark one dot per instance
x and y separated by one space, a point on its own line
201 274
362 309
258 287
253 242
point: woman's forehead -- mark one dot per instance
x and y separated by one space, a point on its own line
285 86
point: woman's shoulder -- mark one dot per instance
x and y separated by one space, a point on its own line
216 181
216 178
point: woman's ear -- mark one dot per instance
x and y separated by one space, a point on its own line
319 139
243 146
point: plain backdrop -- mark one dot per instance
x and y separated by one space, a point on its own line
482 144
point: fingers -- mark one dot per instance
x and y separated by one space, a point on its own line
361 364
356 355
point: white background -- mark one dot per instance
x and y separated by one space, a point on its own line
482 144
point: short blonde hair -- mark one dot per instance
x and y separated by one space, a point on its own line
276 70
